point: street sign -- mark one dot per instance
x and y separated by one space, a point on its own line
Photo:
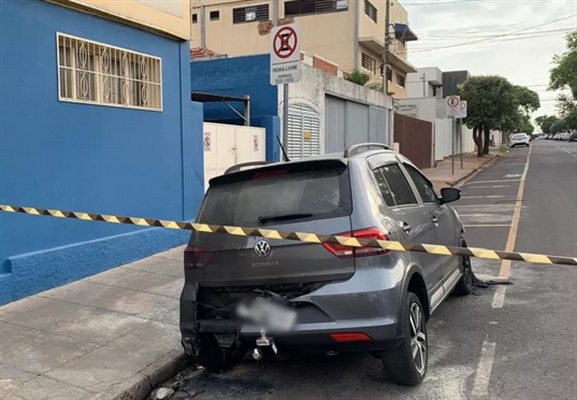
462 112
285 55
453 105
207 141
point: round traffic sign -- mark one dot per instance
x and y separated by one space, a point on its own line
207 142
285 42
453 101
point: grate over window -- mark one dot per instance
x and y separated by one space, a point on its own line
371 10
214 15
91 72
307 7
368 63
400 79
250 14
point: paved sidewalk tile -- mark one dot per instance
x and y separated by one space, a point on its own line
109 336
443 176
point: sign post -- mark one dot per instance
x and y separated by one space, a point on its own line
452 112
462 114
285 64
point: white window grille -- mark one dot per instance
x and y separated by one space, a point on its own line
368 63
95 73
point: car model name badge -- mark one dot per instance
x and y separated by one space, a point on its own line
262 248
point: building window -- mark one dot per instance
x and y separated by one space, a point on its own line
389 73
214 15
250 14
368 63
371 10
95 73
400 80
295 8
194 18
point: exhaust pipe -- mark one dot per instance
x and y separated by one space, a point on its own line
257 354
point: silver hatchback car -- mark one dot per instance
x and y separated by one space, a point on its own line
342 298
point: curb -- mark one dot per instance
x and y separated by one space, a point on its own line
139 386
472 174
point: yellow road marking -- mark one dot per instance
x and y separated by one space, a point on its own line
505 270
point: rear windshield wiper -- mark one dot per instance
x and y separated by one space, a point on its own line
268 218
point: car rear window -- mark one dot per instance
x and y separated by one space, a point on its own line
519 136
322 193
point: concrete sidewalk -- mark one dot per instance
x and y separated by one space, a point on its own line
110 336
442 176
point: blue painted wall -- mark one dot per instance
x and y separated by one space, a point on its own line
240 76
89 158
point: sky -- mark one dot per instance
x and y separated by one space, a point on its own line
516 39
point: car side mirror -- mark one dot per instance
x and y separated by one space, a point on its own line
448 195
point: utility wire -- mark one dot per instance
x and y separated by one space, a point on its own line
497 36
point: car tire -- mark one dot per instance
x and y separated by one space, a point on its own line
407 364
465 285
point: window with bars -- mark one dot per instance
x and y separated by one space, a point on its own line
250 14
295 8
400 79
389 73
214 15
194 18
95 73
368 63
371 10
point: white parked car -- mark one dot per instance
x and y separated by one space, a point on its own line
519 139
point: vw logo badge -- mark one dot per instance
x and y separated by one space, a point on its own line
262 248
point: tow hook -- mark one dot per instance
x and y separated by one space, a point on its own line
263 341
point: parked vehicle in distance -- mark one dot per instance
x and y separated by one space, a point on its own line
573 137
519 139
339 298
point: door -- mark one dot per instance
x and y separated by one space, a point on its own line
415 222
440 215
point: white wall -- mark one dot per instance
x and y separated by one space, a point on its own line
230 145
415 82
315 84
423 108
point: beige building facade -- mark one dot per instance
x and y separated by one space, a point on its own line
348 32
171 18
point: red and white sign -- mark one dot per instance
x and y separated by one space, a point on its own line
462 113
285 54
453 105
207 141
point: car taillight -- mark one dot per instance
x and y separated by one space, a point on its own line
271 174
196 257
342 251
350 337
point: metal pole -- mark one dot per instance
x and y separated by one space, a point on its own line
461 139
285 87
386 49
453 146
202 27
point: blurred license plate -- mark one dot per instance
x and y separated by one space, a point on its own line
268 315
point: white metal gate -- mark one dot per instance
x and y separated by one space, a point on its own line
304 132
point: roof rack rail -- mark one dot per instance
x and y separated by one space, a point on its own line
353 149
239 167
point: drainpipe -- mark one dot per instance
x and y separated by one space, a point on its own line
357 27
202 26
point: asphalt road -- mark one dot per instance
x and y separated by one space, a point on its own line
503 342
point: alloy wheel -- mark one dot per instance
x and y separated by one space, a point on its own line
418 337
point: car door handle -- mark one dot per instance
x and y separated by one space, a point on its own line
406 227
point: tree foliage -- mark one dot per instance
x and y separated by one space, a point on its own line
564 73
359 77
495 103
564 76
545 122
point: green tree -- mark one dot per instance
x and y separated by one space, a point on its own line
492 104
564 73
545 122
527 99
559 126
